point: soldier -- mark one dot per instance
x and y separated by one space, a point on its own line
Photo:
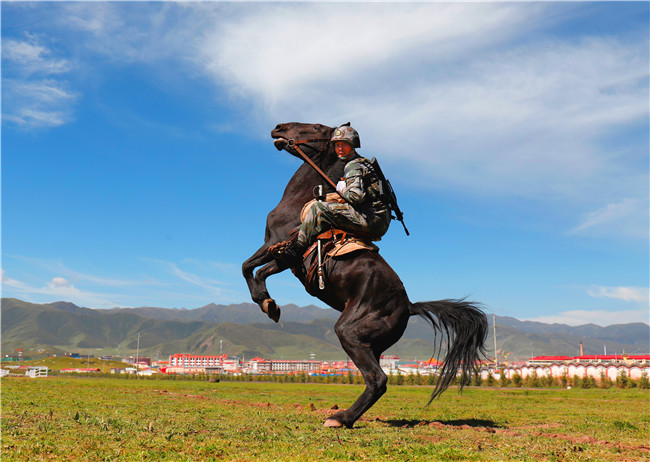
363 211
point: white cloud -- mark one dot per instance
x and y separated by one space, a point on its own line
211 266
627 294
29 57
318 47
211 286
205 283
448 88
63 289
598 317
31 117
636 295
35 93
98 291
57 288
47 92
139 32
58 267
628 217
10 282
58 282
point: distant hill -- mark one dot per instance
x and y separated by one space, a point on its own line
242 329
242 313
65 327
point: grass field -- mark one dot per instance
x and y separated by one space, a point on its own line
66 418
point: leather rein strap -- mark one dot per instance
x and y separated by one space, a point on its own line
294 144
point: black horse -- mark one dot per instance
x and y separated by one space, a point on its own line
374 306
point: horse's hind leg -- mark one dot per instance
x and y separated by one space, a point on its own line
365 334
375 379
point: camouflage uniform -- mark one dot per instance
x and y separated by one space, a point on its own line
364 211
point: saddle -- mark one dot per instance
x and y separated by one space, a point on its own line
336 243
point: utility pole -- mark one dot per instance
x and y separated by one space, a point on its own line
494 327
137 353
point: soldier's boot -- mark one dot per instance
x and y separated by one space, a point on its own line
289 253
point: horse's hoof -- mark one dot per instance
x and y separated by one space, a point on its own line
271 309
332 423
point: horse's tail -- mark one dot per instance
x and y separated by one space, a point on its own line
465 327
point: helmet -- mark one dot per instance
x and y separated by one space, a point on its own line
346 133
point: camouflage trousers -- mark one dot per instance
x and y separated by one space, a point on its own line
322 216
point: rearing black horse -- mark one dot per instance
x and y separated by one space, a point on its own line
374 306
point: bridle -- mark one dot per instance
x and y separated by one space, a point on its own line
294 144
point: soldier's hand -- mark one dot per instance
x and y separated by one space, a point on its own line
334 197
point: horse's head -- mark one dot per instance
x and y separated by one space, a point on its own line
314 137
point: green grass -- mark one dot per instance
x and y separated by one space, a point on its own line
66 418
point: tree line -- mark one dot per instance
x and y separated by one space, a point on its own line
623 380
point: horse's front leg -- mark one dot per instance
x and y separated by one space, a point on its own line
257 290
268 305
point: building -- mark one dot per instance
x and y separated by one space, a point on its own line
189 360
294 365
388 363
185 363
595 366
79 370
37 371
589 359
337 367
258 366
547 360
140 360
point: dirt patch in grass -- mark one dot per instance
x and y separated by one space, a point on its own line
589 440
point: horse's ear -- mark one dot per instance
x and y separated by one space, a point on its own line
346 124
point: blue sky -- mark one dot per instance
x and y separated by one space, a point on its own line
138 168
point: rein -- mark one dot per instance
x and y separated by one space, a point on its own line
294 144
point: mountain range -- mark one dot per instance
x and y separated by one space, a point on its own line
242 329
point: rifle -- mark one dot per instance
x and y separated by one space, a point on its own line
388 194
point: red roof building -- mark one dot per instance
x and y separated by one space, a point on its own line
591 359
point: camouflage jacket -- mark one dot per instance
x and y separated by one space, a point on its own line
362 185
